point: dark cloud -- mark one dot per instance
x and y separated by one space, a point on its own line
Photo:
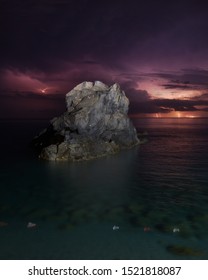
147 107
203 97
93 62
56 44
27 105
184 78
42 34
181 84
176 105
136 94
31 95
168 105
178 86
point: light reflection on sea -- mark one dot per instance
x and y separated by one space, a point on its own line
159 186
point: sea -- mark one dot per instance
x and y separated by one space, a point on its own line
146 203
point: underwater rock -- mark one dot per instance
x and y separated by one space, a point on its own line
59 217
155 216
135 208
147 229
31 225
78 216
140 222
39 213
184 251
66 227
183 229
116 214
115 227
164 228
95 124
200 220
199 230
3 224
175 229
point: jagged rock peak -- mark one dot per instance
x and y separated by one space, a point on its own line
97 94
95 124
97 85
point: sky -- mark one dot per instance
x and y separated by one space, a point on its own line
156 50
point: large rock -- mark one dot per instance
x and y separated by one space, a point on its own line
95 124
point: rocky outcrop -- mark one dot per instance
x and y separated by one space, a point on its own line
95 124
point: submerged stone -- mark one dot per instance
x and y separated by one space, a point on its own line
78 216
95 124
184 251
135 208
183 230
115 214
66 226
3 224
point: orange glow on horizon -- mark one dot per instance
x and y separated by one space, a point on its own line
191 116
173 114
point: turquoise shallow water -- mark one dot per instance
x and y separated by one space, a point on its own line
157 194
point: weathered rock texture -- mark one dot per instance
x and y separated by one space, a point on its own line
95 124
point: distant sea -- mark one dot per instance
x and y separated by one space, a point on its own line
150 202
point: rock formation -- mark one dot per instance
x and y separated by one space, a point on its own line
95 124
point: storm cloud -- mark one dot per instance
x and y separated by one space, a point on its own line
154 49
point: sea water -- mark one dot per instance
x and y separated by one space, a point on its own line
150 202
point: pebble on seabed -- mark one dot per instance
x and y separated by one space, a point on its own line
115 227
147 229
176 230
31 225
3 224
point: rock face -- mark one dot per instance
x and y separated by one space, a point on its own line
95 124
